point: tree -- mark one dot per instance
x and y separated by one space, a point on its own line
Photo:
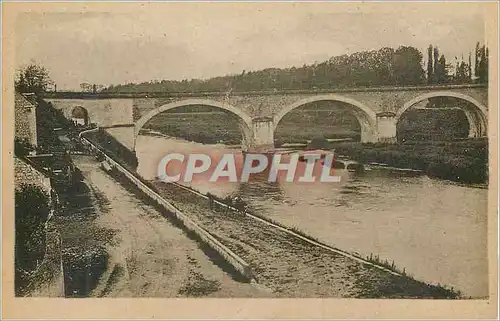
461 73
430 66
469 70
86 87
441 72
476 64
407 66
32 208
436 63
32 79
482 72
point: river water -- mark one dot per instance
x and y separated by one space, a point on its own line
436 230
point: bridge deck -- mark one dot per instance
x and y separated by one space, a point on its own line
107 95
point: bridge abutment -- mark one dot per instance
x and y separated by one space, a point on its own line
386 127
125 134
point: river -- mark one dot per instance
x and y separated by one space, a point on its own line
436 230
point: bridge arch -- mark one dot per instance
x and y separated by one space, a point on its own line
245 119
476 115
80 114
366 116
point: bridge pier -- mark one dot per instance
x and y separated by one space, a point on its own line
386 127
262 135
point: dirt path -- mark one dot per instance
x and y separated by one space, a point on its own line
149 256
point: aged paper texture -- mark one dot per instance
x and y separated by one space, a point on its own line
250 160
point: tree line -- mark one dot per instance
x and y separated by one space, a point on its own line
439 71
384 67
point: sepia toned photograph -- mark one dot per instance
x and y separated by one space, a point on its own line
251 150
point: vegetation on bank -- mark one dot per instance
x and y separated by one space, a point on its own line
199 127
461 161
84 253
32 209
115 149
434 125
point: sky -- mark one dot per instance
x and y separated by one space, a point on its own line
140 42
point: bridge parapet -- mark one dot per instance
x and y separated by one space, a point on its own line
149 95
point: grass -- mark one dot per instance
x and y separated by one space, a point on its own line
85 257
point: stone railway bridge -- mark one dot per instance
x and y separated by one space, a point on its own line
378 110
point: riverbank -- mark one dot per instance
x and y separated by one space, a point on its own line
463 161
291 267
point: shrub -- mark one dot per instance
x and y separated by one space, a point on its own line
22 147
32 208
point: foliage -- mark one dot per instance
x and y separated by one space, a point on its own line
367 68
32 208
32 79
114 148
22 147
383 67
48 120
481 70
428 124
407 66
93 88
461 161
430 66
83 267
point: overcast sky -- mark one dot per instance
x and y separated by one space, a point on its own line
177 41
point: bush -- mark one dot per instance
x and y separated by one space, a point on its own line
463 161
114 148
22 147
32 208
